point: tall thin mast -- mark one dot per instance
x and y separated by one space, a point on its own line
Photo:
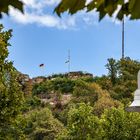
69 61
123 38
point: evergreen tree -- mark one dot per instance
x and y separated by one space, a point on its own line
112 67
10 93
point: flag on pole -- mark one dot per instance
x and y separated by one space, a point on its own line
67 61
41 65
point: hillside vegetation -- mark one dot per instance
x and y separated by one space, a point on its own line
70 106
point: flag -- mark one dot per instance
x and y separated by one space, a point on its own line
41 65
67 61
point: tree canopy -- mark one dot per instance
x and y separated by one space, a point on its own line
4 6
103 7
11 96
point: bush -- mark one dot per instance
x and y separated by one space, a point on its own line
105 102
121 125
31 103
64 85
39 125
82 124
11 96
40 88
86 92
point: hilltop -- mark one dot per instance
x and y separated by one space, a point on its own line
57 106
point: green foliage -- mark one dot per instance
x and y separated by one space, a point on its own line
39 125
87 79
11 96
134 9
60 75
30 103
121 81
112 67
104 82
41 88
113 124
103 7
105 102
126 80
104 119
63 85
86 92
124 91
81 88
82 124
128 69
4 6
72 6
120 125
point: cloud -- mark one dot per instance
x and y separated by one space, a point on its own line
42 19
36 4
40 12
35 13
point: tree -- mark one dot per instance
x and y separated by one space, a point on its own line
4 6
104 82
38 124
127 78
105 102
103 7
128 69
11 96
82 124
112 67
121 125
86 92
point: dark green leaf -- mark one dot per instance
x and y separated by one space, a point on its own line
4 6
71 6
134 7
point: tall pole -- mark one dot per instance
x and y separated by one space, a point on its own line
123 38
69 61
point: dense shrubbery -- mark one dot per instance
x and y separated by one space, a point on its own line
80 108
38 124
96 110
11 96
86 92
113 124
63 85
82 124
121 125
30 103
41 88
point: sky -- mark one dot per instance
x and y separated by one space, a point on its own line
40 36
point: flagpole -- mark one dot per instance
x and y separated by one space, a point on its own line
42 68
69 59
123 38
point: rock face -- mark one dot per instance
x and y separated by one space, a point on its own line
38 79
26 83
23 78
71 75
54 100
79 74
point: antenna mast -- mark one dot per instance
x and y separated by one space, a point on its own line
123 38
69 58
